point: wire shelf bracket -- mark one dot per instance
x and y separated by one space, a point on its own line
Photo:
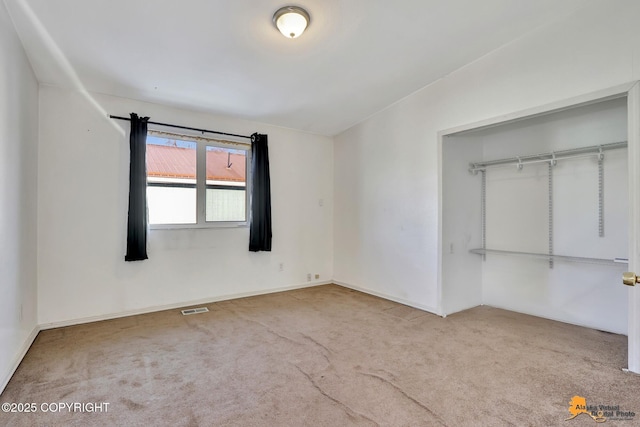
552 160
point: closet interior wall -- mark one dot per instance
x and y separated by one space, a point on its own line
517 219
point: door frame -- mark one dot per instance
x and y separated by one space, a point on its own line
629 90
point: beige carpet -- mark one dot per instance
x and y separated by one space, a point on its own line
323 356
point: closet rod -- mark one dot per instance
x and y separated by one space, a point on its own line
545 157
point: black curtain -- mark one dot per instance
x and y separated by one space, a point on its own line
137 223
260 223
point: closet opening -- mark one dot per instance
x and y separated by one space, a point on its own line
535 216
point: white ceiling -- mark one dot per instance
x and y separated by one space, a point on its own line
225 56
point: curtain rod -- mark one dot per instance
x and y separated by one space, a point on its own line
128 119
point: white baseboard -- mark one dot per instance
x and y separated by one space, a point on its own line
458 310
109 316
403 301
18 359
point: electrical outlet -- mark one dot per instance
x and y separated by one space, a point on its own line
317 276
308 277
281 266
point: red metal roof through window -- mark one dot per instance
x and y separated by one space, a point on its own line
177 162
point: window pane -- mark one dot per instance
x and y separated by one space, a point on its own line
226 184
171 181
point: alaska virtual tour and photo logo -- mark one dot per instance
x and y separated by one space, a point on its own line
599 413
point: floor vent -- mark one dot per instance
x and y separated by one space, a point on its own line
195 311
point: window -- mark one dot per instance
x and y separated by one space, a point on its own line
196 182
226 184
171 180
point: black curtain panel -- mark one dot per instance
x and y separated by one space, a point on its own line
137 223
260 222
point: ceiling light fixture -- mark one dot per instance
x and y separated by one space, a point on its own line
291 21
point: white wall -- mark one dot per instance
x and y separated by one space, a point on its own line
461 225
83 187
18 200
386 168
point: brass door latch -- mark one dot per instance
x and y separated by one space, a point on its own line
630 279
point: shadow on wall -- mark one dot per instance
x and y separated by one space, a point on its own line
23 17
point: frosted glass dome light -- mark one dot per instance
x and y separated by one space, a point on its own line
291 21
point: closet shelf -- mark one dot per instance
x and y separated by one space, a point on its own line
549 257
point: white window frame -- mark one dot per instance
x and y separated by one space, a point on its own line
201 180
